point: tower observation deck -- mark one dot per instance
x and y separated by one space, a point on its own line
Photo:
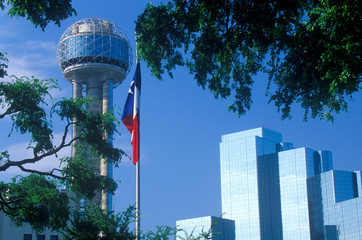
95 55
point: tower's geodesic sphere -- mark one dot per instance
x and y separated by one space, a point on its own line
91 48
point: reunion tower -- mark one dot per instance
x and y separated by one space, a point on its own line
94 55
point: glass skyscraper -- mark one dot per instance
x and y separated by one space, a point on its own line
274 191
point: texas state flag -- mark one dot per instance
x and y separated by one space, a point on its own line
131 113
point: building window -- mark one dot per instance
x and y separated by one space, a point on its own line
54 237
27 236
40 237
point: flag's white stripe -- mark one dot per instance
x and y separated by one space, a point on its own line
136 104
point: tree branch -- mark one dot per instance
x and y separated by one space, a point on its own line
37 158
50 173
6 204
7 112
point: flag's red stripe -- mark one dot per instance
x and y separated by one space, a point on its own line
136 139
128 122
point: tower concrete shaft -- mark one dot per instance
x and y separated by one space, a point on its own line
100 94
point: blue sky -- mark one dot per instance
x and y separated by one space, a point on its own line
181 124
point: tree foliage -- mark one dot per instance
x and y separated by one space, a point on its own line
311 49
3 65
87 224
40 12
23 101
35 199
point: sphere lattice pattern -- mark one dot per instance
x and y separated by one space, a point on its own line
94 40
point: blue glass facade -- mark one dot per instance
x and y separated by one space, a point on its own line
239 178
295 166
339 212
94 48
274 191
269 197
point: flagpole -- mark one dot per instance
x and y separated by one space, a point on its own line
131 119
138 205
138 185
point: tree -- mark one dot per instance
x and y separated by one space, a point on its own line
35 199
88 223
40 12
3 64
22 100
311 50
